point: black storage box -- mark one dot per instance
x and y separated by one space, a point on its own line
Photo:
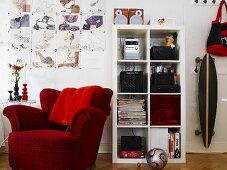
163 53
131 81
163 79
131 143
165 88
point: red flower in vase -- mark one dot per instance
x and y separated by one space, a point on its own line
16 68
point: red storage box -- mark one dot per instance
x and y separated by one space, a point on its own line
165 109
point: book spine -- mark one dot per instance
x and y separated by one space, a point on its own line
171 145
177 152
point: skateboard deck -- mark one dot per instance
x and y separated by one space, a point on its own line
207 98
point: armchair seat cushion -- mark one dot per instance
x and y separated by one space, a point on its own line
43 149
43 140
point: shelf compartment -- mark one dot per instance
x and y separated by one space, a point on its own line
132 110
142 132
139 35
168 139
158 48
132 77
165 110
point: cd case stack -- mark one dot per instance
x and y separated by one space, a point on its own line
132 112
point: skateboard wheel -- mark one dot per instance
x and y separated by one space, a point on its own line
197 132
198 59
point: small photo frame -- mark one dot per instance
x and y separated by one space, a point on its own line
162 21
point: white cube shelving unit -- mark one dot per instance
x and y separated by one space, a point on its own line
153 135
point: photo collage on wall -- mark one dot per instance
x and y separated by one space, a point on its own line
57 33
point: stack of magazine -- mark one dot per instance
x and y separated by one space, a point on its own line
132 112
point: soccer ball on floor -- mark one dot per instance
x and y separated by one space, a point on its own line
157 158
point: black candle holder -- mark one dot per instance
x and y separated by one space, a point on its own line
10 95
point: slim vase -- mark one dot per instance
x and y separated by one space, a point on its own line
16 92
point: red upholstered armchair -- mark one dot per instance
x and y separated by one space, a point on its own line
35 143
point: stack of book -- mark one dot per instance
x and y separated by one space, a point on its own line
132 112
174 145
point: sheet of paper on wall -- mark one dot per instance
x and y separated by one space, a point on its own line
4 28
67 59
24 55
92 59
68 22
68 40
43 6
44 22
92 22
43 59
68 6
19 21
20 40
93 41
95 6
4 40
17 6
43 39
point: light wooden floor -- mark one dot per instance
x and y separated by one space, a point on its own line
194 162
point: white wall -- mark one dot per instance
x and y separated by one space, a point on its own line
197 24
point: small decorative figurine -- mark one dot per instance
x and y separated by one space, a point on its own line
161 21
169 41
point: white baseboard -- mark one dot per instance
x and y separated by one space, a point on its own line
217 147
3 149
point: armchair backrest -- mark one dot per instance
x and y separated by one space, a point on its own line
48 98
101 99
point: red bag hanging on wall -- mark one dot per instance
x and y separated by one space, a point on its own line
217 40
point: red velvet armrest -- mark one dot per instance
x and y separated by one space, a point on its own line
24 117
87 125
92 114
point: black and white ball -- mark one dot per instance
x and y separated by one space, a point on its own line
157 158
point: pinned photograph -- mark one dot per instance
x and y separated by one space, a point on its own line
95 6
19 21
20 40
43 39
43 6
68 40
43 59
67 59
